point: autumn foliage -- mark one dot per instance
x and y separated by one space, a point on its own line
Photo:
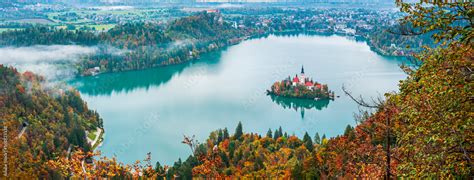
39 123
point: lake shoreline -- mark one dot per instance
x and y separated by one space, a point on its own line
181 97
263 35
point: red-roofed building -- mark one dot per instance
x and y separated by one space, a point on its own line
212 11
309 84
302 80
296 80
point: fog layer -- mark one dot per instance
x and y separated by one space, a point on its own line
52 62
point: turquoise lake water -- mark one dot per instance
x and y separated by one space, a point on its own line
150 110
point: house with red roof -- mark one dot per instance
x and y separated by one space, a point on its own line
296 80
309 84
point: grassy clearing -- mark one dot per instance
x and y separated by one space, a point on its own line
100 27
101 138
35 21
91 135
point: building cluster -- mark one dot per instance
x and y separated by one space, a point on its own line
350 21
304 81
301 86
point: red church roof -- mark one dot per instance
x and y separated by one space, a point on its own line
318 86
296 79
308 83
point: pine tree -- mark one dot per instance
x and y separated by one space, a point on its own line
269 133
278 133
275 135
238 131
220 136
160 170
348 130
317 139
226 133
308 143
281 132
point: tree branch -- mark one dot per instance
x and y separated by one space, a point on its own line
360 101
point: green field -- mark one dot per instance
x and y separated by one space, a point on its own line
9 29
101 26
98 27
91 135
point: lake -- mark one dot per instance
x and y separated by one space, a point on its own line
150 110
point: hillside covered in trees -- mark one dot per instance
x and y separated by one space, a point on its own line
139 45
148 45
40 123
42 35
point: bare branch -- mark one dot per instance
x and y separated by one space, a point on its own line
191 142
361 116
360 101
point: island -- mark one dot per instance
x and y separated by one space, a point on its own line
301 87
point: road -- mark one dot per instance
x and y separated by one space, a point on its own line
22 131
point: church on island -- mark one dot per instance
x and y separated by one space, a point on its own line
301 87
303 80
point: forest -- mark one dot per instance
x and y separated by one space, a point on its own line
142 45
151 45
425 130
42 122
42 35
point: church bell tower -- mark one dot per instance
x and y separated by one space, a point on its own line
303 78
